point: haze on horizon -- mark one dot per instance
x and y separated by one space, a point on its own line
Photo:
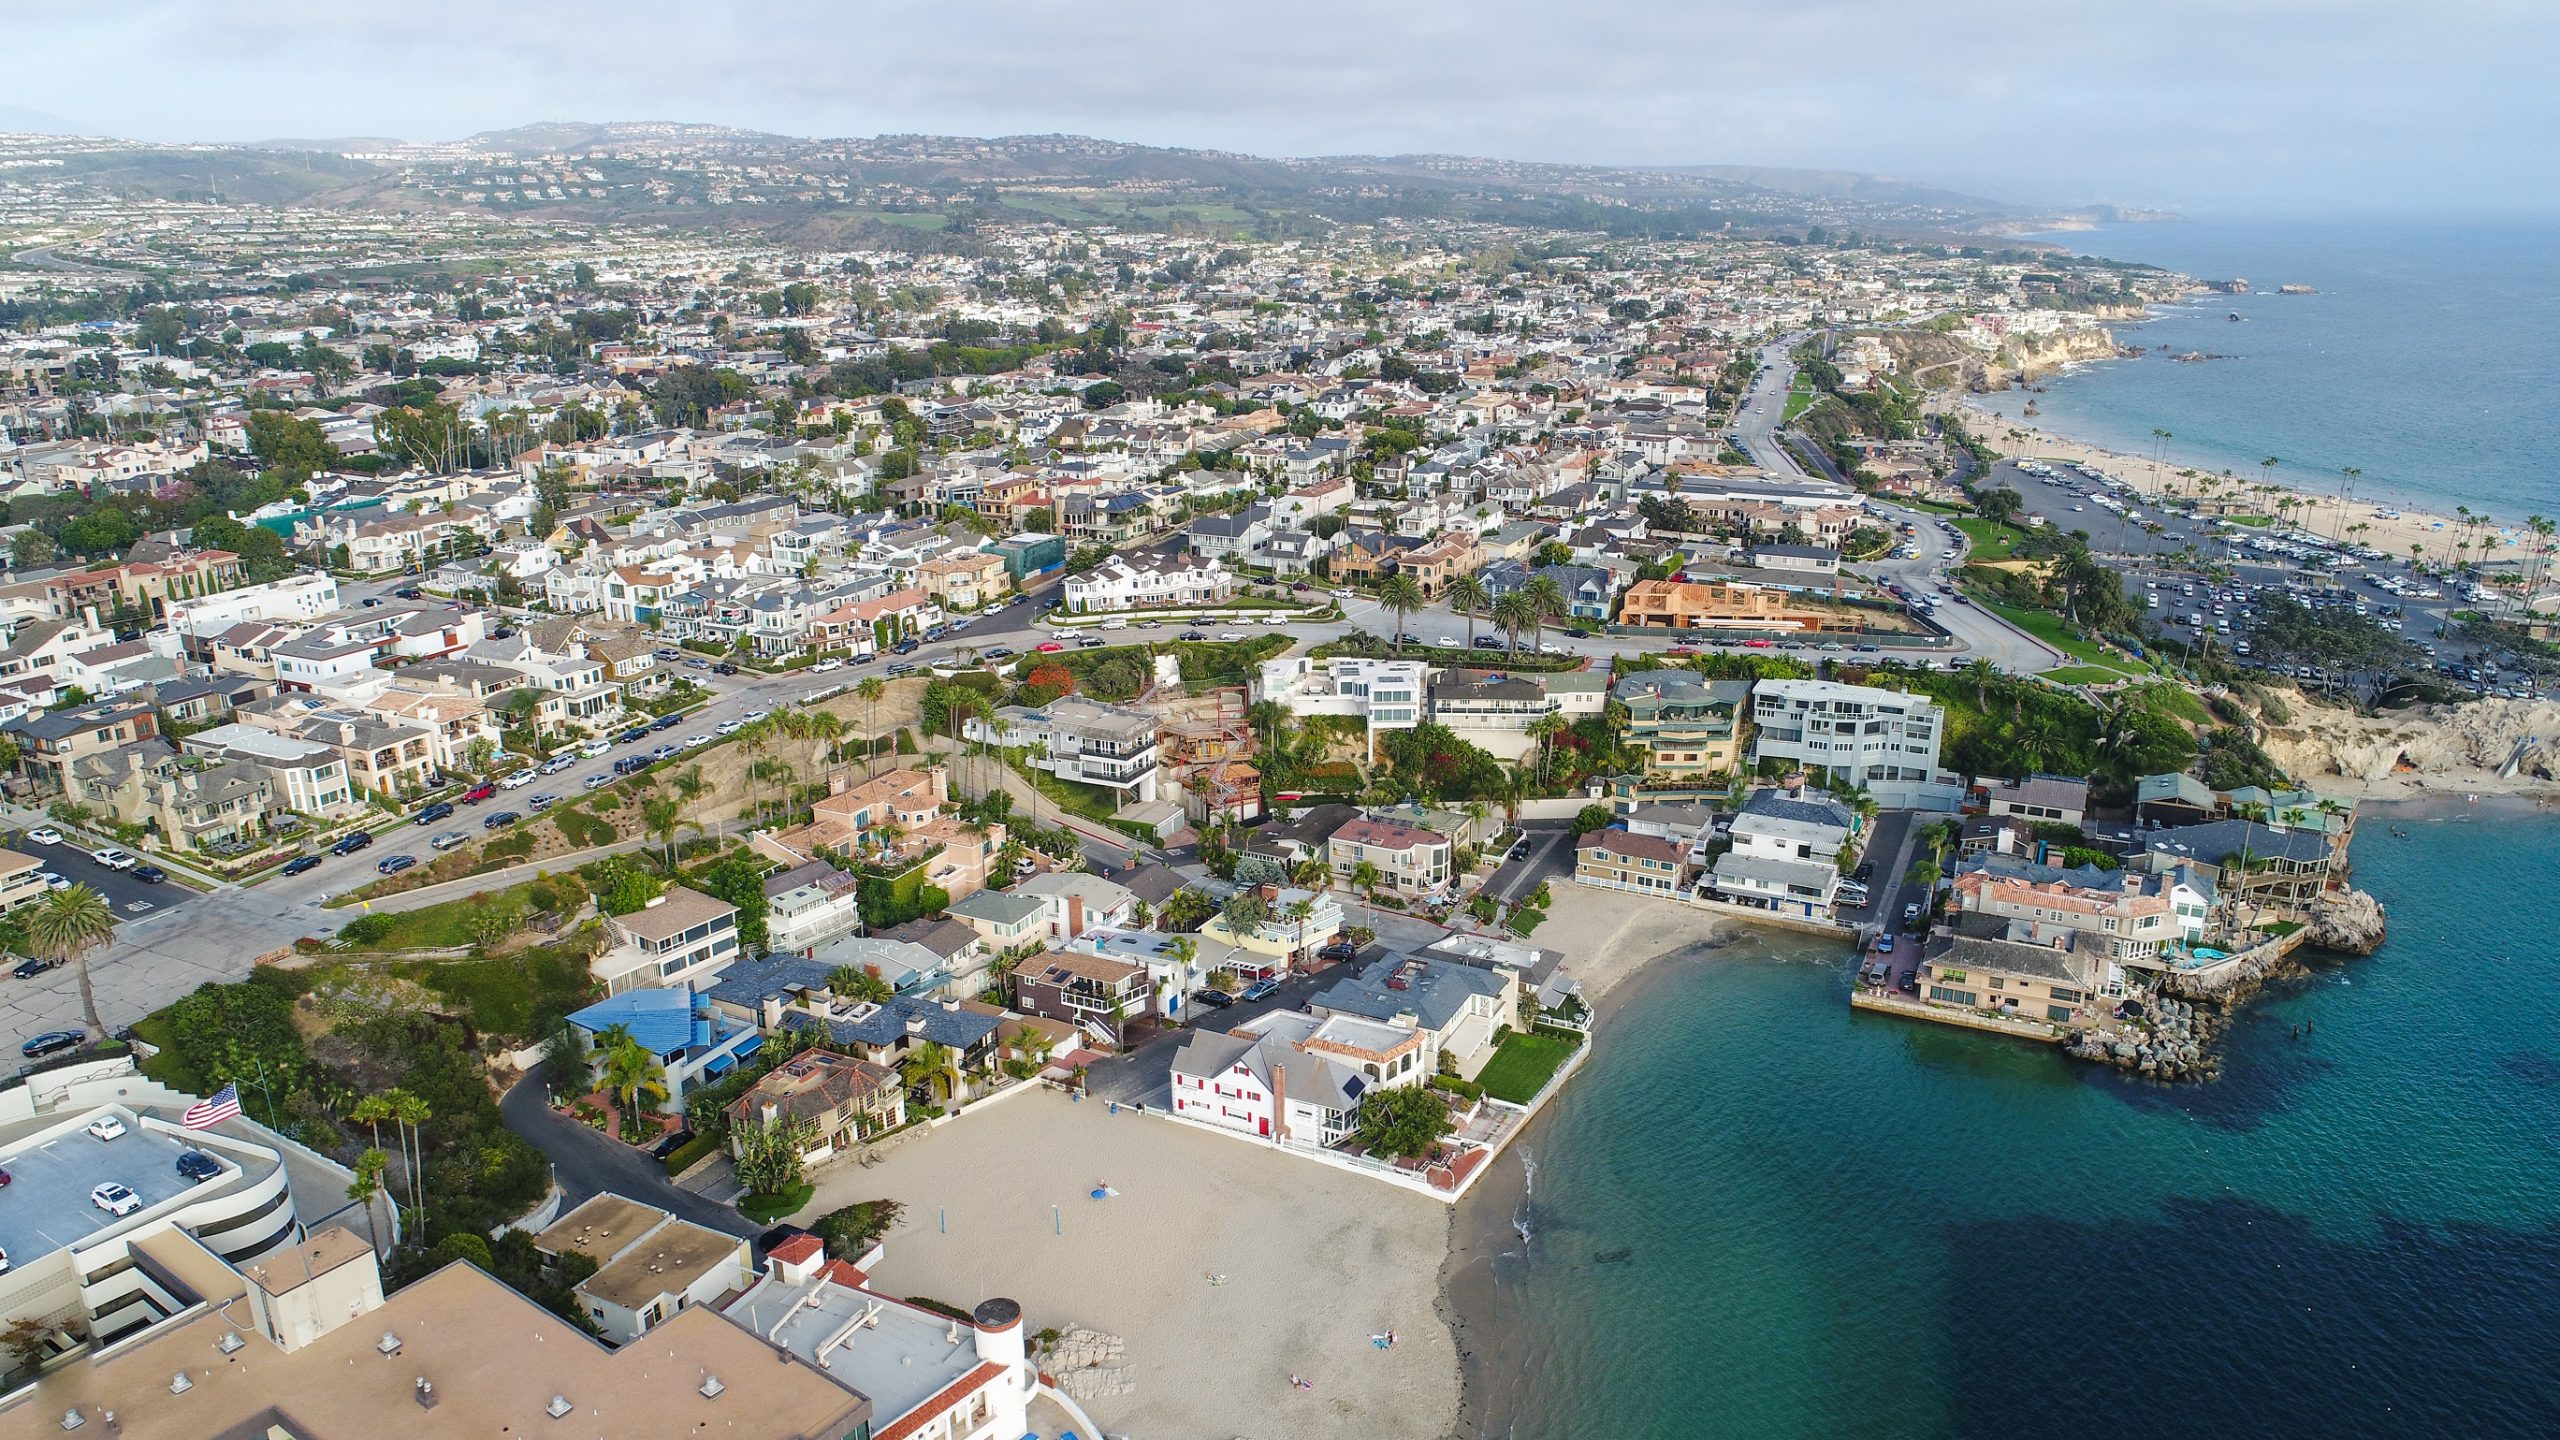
2222 107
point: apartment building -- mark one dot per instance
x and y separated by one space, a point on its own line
682 939
1382 694
964 582
1080 740
1690 727
1883 740
1408 859
66 752
1150 581
1785 854
294 600
308 777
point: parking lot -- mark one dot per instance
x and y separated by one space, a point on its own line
128 897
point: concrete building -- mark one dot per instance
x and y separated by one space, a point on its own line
1785 855
681 939
650 1266
1082 741
1382 694
1883 740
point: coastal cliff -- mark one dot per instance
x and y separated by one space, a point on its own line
1945 361
2483 747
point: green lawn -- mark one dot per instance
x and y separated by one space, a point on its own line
1800 398
446 925
2083 675
1524 1065
2050 628
1990 541
2179 701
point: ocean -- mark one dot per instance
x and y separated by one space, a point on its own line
1759 1214
2426 359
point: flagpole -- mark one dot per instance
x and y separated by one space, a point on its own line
267 1094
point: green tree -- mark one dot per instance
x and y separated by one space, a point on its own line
740 881
66 925
1468 596
1405 1122
770 1155
1402 596
629 1073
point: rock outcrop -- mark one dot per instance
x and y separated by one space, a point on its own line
2439 746
2348 921
2172 1041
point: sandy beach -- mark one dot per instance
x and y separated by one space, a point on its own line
2320 512
1315 1261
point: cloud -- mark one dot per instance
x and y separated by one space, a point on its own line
2230 104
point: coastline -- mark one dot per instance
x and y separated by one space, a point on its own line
2391 529
1485 1229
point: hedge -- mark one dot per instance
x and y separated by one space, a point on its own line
687 1154
765 1209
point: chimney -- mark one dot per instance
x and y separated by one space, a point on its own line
1075 915
772 1012
1279 1100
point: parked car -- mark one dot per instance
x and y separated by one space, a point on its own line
754 716
447 840
1911 912
826 665
149 874
441 810
477 793
53 1042
301 864
33 966
670 1143
1261 990
1884 945
1048 647
115 1199
198 1166
724 668
45 835
542 800
1090 642
115 859
394 864
1195 635
107 1127
998 652
595 749
632 736
53 880
501 820
349 844
1214 999
598 782
517 780
667 722
630 765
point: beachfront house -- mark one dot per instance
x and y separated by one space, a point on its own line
1460 1009
1293 1078
1785 855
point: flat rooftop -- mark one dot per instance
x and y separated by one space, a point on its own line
669 1260
904 1358
46 1207
495 1359
600 1228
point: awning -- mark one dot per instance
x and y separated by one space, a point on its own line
719 1063
748 1046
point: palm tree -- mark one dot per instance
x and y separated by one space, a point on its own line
1402 596
630 1072
1038 752
1546 602
856 984
1467 595
1512 612
663 816
1544 731
367 1187
412 1114
825 727
870 690
65 926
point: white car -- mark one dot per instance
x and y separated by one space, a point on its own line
1448 642
730 727
1275 618
45 835
1230 635
830 663
517 780
752 716
106 1127
596 749
557 763
115 859
1341 594
1115 624
53 880
115 1199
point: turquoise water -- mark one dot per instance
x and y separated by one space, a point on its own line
2426 360
1758 1214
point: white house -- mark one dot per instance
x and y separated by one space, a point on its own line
1150 581
1785 855
1884 740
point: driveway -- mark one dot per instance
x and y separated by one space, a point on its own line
586 1163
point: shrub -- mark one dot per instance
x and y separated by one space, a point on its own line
691 1151
766 1209
851 1230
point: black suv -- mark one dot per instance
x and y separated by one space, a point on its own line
1214 999
198 1166
433 813
350 844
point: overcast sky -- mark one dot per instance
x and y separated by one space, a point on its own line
2213 106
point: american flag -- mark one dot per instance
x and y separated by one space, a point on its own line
205 1114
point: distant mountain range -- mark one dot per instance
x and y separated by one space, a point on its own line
932 189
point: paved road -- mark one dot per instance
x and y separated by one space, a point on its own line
586 1163
1550 858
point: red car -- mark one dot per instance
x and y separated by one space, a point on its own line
1682 651
1048 647
1756 644
478 793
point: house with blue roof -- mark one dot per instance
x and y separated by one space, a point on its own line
783 994
693 1041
